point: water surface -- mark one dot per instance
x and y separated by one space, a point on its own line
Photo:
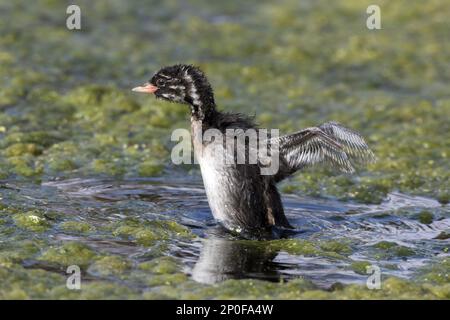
212 255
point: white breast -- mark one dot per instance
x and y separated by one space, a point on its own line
215 174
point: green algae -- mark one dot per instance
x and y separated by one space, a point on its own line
388 250
147 233
330 249
360 267
102 120
385 245
437 273
68 254
19 149
19 283
149 169
302 289
336 246
163 265
425 217
32 220
444 197
172 280
11 255
66 111
110 265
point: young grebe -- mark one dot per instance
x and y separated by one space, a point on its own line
241 198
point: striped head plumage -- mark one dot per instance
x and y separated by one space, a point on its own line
182 84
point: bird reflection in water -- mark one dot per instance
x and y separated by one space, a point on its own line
223 257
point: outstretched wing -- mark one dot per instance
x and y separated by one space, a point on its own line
351 141
329 143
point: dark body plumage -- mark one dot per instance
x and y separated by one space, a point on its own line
254 198
241 198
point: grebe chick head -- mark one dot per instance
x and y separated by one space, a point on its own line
182 84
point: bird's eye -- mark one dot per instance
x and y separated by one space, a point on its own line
160 82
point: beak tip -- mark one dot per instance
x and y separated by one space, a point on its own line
147 88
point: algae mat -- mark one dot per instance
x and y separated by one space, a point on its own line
86 176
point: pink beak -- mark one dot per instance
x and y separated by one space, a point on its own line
146 88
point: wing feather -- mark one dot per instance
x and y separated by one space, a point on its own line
353 143
330 143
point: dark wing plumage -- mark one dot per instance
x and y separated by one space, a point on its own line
329 143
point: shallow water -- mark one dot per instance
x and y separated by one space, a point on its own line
214 255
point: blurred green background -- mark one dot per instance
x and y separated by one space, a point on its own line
66 105
67 110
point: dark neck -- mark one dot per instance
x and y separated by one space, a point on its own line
200 97
202 111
